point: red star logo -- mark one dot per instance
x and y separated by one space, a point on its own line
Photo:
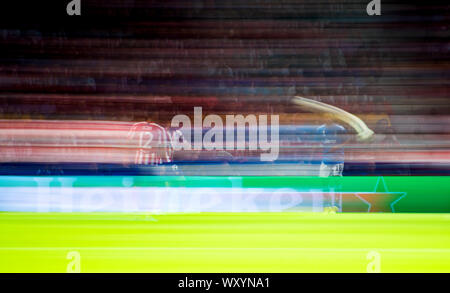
380 200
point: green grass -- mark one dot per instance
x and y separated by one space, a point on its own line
217 242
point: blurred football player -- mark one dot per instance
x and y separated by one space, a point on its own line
154 144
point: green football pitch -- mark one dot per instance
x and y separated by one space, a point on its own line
224 242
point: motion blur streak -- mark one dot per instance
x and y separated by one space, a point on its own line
78 85
221 242
82 99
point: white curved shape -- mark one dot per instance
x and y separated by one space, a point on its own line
364 133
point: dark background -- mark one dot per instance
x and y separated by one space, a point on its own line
121 58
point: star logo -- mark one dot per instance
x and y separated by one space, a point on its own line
381 200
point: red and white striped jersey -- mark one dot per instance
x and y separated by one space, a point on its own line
153 143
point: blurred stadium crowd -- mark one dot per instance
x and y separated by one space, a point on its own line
72 88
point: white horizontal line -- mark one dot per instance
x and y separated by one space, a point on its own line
232 248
